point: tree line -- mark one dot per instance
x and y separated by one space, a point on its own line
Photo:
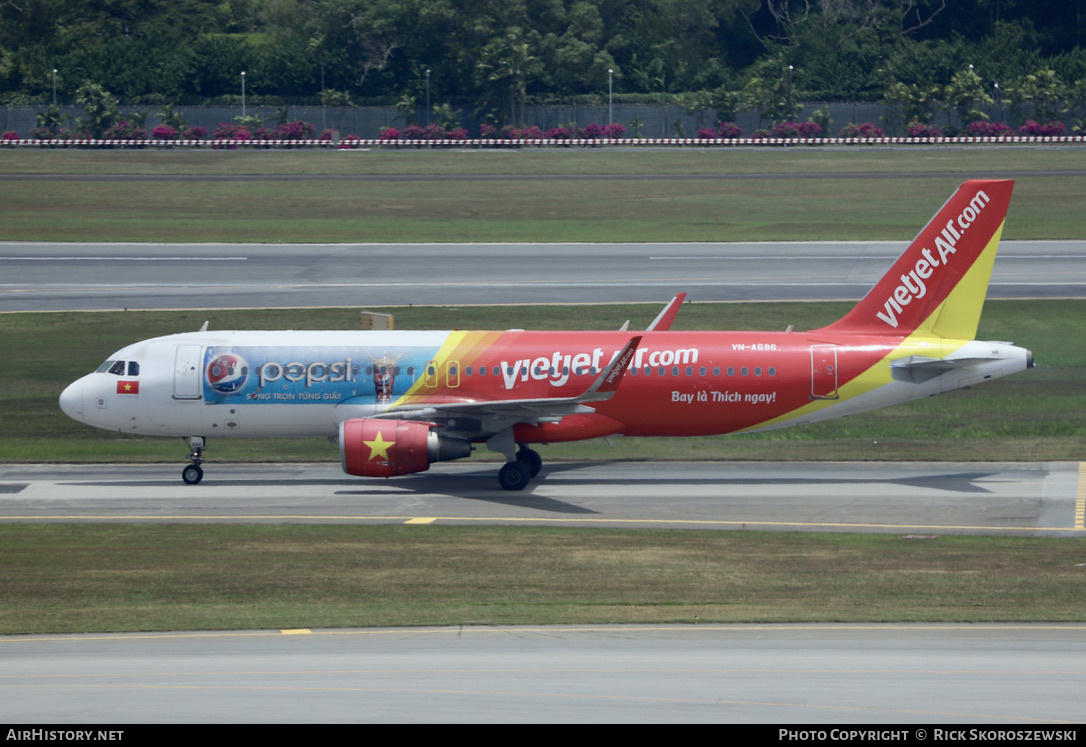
494 57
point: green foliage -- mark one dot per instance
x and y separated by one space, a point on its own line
1041 95
171 118
445 117
101 107
51 120
913 102
503 56
964 95
250 121
771 91
341 99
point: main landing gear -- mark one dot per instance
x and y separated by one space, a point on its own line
516 474
193 473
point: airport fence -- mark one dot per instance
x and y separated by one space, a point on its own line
354 143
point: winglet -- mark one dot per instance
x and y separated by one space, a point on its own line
937 286
663 320
607 382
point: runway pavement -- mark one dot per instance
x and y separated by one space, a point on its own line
1034 499
53 276
995 677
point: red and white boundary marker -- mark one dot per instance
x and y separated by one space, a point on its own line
685 142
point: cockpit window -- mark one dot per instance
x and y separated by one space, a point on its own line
117 368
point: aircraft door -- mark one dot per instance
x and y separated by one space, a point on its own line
186 372
824 372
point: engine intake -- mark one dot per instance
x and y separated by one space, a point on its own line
385 448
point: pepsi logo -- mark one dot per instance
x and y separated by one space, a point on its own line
227 372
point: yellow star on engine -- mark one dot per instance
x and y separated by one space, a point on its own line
379 446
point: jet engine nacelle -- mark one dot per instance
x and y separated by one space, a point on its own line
385 448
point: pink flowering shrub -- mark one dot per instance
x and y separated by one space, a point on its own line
61 133
1036 129
228 131
124 130
488 131
349 142
389 133
297 130
981 128
863 131
194 132
525 133
803 130
163 132
559 133
920 130
730 130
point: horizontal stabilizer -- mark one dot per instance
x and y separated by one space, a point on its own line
917 368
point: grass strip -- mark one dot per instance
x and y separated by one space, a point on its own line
95 578
753 161
730 195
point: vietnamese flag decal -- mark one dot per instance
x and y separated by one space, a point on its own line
128 387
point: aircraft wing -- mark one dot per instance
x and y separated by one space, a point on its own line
663 320
488 416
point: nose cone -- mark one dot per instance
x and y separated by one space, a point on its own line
71 401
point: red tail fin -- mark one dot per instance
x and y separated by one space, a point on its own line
938 284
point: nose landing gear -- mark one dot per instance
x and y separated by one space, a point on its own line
193 473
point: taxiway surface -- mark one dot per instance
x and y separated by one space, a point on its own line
934 498
57 276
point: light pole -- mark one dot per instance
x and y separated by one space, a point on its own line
54 88
243 94
788 98
610 88
427 97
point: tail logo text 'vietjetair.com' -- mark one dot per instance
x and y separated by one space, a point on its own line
912 284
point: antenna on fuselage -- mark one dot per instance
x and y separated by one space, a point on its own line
204 327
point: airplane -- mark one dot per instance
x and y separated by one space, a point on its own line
399 401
